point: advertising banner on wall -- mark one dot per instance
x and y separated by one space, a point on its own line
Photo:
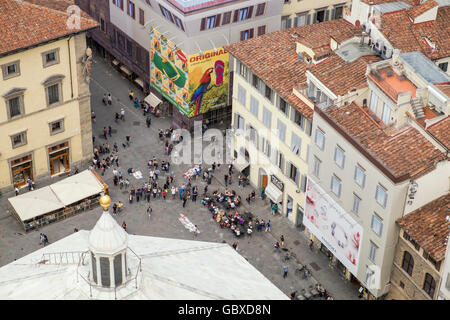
169 71
208 81
333 226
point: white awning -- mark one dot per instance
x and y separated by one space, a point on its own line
240 166
77 187
139 82
35 203
274 193
152 100
125 70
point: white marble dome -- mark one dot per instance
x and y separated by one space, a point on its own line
107 237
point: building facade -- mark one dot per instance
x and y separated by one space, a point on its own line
419 263
407 25
46 116
360 165
193 26
303 12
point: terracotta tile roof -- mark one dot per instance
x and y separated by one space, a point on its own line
406 36
341 77
24 24
416 11
60 5
441 130
429 227
317 36
297 103
375 2
273 58
403 151
444 87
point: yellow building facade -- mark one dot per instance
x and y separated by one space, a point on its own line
275 142
45 123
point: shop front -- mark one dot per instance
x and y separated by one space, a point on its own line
274 191
21 170
59 158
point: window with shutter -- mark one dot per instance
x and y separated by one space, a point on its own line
251 33
260 9
308 19
327 14
303 183
226 18
261 30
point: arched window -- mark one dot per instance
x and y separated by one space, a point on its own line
429 285
408 263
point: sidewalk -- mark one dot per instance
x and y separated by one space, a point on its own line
296 242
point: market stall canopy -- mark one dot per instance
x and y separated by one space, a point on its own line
77 187
35 203
152 100
274 193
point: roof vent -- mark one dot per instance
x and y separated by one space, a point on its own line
374 117
294 35
390 74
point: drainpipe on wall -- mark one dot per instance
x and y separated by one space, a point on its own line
70 66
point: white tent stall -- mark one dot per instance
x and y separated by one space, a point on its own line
59 200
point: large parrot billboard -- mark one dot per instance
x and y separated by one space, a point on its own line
194 84
208 81
169 71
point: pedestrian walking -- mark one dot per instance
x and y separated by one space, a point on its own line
29 184
173 191
105 132
130 94
148 121
225 179
277 246
119 206
44 239
263 193
235 246
285 271
275 209
149 211
124 225
109 98
164 193
130 198
115 208
282 240
109 131
311 245
268 225
128 138
104 100
122 114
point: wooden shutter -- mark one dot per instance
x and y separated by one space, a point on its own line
249 12
308 19
217 22
327 14
315 18
121 4
203 24
236 15
242 35
251 33
288 23
333 14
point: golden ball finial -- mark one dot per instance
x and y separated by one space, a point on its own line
105 201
